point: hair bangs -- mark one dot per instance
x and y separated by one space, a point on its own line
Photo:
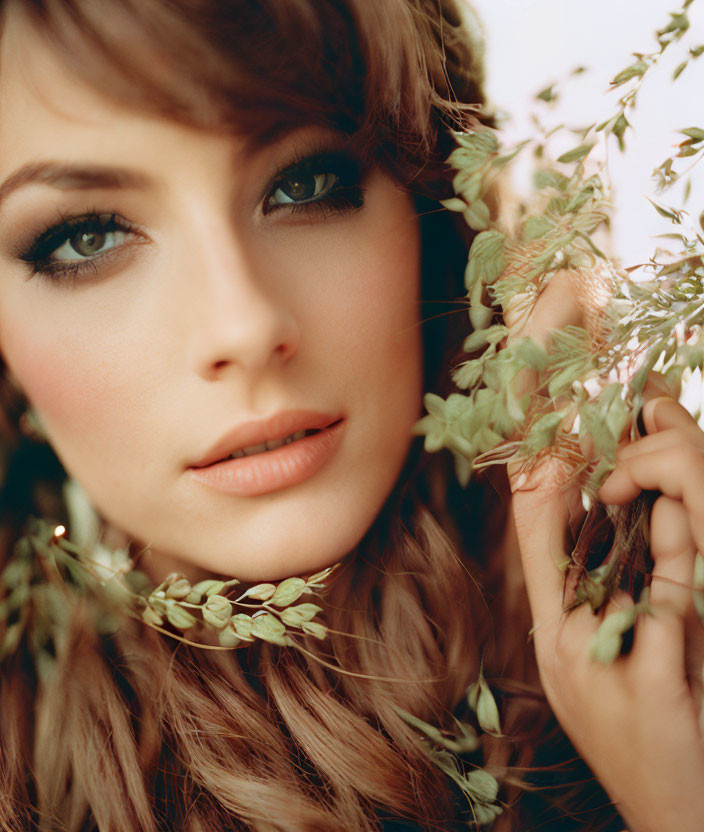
260 67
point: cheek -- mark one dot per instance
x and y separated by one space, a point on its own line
365 289
73 379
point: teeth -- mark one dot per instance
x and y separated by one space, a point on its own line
255 449
273 444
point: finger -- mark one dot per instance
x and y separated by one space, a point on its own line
665 440
673 551
661 635
677 472
664 412
541 516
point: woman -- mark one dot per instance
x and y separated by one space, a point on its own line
217 222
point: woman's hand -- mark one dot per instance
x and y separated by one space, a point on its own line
636 721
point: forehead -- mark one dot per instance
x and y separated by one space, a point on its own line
48 111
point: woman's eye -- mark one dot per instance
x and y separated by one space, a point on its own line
302 188
73 245
87 244
318 185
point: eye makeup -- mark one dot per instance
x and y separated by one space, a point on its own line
310 189
336 178
87 230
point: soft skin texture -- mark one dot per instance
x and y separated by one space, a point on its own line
211 314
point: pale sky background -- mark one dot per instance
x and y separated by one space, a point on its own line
532 43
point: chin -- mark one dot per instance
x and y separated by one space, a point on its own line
269 557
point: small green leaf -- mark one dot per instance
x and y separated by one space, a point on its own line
576 154
483 786
209 587
295 616
468 185
549 179
180 618
486 260
487 712
484 813
480 316
605 644
468 374
453 204
482 702
476 215
315 628
530 353
288 591
679 70
242 625
685 152
228 638
535 227
695 133
152 617
217 611
547 94
179 589
633 71
476 340
542 434
261 592
267 627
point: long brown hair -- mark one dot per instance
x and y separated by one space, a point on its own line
129 734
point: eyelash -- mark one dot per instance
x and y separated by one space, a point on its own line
343 196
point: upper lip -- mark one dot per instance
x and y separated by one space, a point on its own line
256 432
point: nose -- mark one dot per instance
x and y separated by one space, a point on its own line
237 308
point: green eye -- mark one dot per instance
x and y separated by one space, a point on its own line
304 187
86 244
318 185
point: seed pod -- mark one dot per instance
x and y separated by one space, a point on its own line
288 591
295 616
207 588
178 589
180 618
261 592
217 611
268 628
229 638
243 625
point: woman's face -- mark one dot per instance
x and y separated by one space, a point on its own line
161 287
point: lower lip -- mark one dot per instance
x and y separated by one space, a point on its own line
251 476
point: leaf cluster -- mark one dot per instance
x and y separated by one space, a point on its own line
47 573
586 385
453 752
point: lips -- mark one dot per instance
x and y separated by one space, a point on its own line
263 471
257 433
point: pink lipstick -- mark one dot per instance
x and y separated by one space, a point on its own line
241 463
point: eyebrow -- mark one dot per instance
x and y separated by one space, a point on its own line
71 177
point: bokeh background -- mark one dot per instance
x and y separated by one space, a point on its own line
531 44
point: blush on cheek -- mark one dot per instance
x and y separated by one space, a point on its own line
66 386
